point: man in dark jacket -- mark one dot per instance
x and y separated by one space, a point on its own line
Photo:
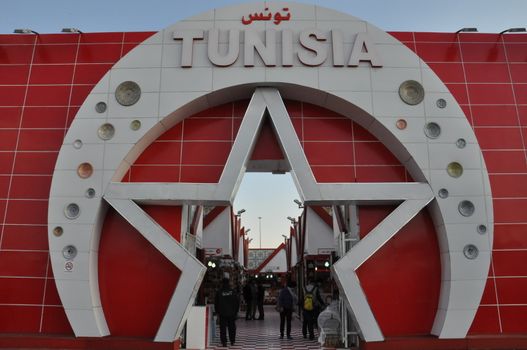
226 305
287 299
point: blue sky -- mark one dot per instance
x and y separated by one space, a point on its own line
49 16
265 195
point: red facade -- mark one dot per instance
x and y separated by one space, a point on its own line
44 79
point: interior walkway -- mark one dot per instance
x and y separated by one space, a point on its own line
265 334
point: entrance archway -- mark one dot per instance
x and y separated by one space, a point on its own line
433 140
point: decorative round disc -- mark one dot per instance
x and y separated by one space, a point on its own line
401 124
84 170
454 169
58 231
127 93
411 92
106 131
100 107
466 208
72 211
443 193
471 251
90 193
461 143
432 130
69 252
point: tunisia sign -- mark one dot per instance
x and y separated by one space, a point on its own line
312 51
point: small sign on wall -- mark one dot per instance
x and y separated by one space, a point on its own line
213 251
325 251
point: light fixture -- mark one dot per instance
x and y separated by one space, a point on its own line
247 231
285 238
326 264
293 221
240 212
71 30
514 30
299 203
467 30
24 31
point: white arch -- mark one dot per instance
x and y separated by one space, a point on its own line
368 95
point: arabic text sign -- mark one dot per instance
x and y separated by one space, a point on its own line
277 18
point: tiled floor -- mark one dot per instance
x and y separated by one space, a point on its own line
265 334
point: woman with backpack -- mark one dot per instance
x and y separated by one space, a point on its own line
287 299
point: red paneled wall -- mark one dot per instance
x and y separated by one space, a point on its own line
44 79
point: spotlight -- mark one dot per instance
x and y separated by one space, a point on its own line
24 31
299 203
326 264
240 212
467 30
71 30
513 30
293 220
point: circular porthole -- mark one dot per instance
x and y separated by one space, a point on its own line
432 130
90 193
100 107
443 193
127 93
411 92
471 251
401 124
72 211
106 131
441 103
69 252
466 208
454 169
84 170
461 143
58 231
77 144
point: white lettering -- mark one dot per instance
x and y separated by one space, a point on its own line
311 40
232 52
253 43
312 51
287 48
364 50
188 37
337 44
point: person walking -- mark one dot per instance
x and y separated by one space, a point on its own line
287 299
312 305
254 297
260 299
226 305
247 296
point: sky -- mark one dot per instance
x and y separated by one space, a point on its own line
261 195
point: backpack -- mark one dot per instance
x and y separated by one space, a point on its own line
308 300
